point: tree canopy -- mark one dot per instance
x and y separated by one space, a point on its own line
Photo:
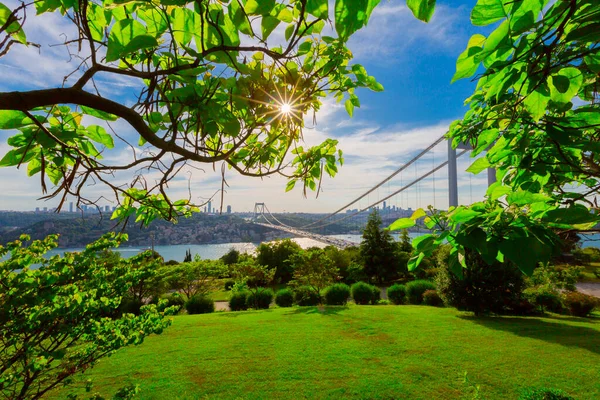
535 114
217 81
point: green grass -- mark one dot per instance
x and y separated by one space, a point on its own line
378 352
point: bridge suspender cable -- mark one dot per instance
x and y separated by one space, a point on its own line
442 165
402 168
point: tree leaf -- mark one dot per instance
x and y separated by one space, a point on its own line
351 15
565 84
318 8
122 33
268 24
479 165
10 119
422 9
487 12
98 134
402 223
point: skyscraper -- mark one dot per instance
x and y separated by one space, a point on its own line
384 206
106 208
71 207
228 209
210 207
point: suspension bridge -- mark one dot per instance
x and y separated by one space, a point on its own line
264 217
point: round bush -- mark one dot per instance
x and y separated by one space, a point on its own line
284 298
432 298
376 295
362 293
238 301
416 289
175 300
337 295
261 299
229 284
580 304
305 296
200 305
545 394
396 293
545 298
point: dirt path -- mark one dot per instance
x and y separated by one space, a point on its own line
589 288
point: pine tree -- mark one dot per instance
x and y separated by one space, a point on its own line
188 256
378 251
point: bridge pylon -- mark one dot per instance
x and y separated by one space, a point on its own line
259 209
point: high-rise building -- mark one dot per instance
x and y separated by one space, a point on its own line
228 209
106 208
384 205
71 207
45 209
37 209
209 207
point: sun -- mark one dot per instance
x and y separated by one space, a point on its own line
286 108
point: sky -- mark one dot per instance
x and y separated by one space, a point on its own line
414 61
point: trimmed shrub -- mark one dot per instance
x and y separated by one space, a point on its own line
432 298
305 296
416 289
362 293
260 299
337 295
284 298
545 394
397 293
545 298
496 288
238 301
200 305
175 299
580 304
229 284
376 294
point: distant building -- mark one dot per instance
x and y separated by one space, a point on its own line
37 209
209 207
45 209
71 207
106 208
384 205
228 209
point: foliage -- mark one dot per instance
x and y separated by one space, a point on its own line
229 283
597 273
276 255
306 296
378 251
545 297
210 88
559 278
261 298
432 298
284 297
580 304
405 244
62 317
313 269
193 278
495 288
231 257
535 113
587 255
375 294
175 300
200 304
356 273
363 293
250 274
337 294
188 256
397 293
342 259
416 289
238 300
545 394
130 306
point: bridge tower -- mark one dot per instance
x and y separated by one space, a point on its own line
259 209
453 176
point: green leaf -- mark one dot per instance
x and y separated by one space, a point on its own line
98 134
565 84
351 15
487 12
99 114
461 215
525 252
318 8
10 119
268 24
402 223
121 35
259 7
290 185
497 37
467 63
139 43
536 102
479 165
349 107
14 29
414 262
422 9
419 213
523 197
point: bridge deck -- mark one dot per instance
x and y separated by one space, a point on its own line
339 243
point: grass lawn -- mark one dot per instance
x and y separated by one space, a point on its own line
362 352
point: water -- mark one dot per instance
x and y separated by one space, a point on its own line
215 251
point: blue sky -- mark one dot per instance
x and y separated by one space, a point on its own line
415 63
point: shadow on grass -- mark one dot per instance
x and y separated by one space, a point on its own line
326 310
552 332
